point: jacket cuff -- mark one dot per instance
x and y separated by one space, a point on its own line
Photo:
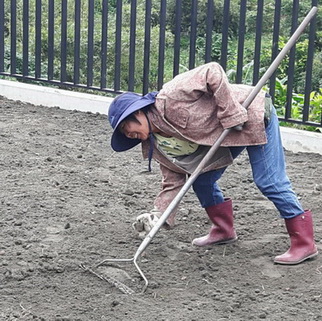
235 120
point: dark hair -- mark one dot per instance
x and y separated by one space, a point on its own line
132 116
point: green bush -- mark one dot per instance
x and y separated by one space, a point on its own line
297 102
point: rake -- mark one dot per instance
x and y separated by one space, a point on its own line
146 241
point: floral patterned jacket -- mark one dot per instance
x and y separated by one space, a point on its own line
197 105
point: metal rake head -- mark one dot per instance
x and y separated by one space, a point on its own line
117 283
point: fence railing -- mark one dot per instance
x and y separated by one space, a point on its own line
136 45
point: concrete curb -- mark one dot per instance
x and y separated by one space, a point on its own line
53 97
303 141
293 139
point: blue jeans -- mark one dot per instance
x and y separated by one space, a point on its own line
268 168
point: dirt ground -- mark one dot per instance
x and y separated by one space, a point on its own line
67 199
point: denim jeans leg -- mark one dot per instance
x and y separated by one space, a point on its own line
269 173
206 187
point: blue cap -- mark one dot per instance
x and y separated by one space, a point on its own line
121 107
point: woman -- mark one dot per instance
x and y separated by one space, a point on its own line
177 126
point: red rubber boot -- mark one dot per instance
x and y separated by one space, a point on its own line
222 231
300 229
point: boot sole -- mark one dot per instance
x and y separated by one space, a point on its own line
218 242
225 241
297 262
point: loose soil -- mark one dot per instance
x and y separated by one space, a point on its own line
67 199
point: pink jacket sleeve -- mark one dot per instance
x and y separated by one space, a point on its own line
172 183
205 90
230 112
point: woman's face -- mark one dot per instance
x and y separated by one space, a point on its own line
136 130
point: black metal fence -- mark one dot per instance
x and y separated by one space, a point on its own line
136 45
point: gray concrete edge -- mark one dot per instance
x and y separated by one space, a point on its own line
293 139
